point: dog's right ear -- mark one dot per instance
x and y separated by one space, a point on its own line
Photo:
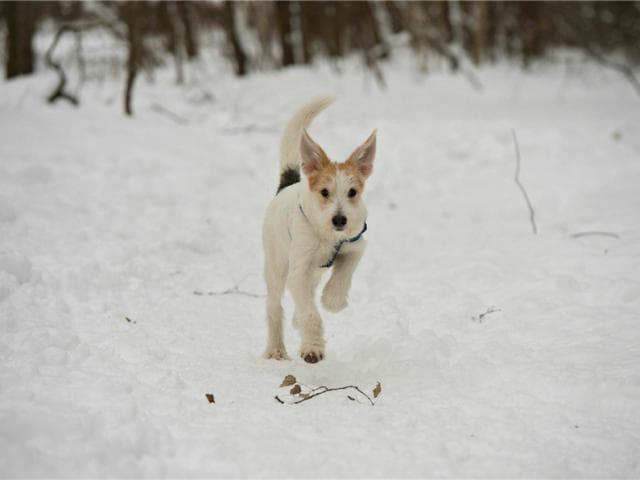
312 157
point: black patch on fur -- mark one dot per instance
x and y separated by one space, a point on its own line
288 177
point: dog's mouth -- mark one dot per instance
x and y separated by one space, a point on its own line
340 229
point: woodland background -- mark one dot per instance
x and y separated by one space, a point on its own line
255 36
498 302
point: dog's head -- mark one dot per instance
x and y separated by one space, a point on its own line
333 201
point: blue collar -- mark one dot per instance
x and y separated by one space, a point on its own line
339 243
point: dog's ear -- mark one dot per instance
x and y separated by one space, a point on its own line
312 157
363 156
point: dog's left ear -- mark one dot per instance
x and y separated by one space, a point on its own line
363 155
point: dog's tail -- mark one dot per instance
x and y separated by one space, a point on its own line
290 143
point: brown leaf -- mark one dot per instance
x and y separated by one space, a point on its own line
296 389
288 380
210 397
377 390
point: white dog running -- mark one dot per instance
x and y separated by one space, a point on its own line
310 226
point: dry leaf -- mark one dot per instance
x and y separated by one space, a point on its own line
377 390
288 380
296 389
210 397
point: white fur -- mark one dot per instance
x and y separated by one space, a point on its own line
296 245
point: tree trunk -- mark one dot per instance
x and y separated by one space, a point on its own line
283 13
21 23
372 30
308 16
190 43
480 17
132 12
334 27
444 22
232 36
530 28
395 16
169 22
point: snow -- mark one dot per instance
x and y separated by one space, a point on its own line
105 218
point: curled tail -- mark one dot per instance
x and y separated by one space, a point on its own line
290 143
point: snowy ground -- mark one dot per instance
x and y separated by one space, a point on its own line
104 217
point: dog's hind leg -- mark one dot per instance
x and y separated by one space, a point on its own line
275 289
302 284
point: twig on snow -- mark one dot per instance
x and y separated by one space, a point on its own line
489 311
300 396
322 390
235 290
240 129
522 189
156 107
595 232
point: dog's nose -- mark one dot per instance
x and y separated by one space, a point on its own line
339 220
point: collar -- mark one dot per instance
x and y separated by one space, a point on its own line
338 245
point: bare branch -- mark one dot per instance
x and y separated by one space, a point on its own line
576 35
156 107
454 61
489 311
625 70
322 390
235 290
300 396
522 189
59 92
594 232
249 128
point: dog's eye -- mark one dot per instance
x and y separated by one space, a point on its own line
352 193
324 192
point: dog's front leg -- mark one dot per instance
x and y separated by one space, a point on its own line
336 291
303 280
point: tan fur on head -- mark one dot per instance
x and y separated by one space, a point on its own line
318 168
336 188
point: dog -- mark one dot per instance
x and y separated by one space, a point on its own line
315 222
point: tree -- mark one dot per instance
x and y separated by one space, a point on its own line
229 20
21 26
132 13
283 14
185 9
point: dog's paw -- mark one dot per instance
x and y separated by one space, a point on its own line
312 353
278 353
333 299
